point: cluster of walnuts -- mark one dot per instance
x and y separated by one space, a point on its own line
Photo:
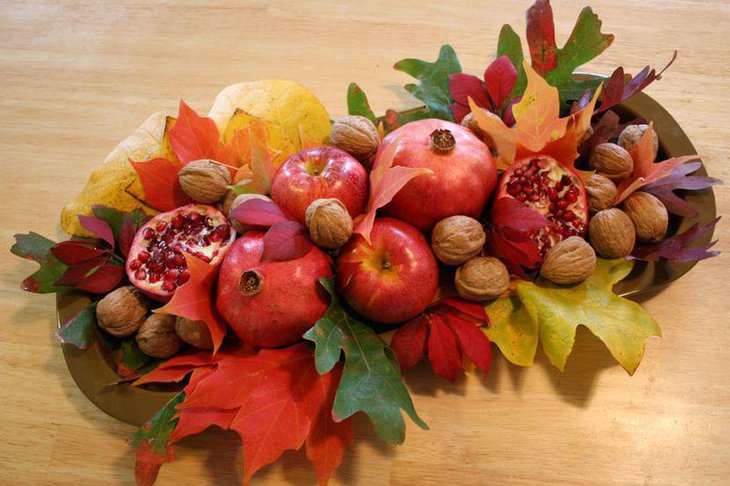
126 311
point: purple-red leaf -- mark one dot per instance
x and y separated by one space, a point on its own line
76 251
472 341
258 212
78 272
99 227
679 179
102 280
465 86
409 343
541 37
443 350
126 235
286 240
678 249
499 79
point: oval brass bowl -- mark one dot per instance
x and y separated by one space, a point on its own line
94 370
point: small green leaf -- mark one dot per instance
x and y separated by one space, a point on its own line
512 329
371 381
434 81
38 248
510 45
80 329
357 103
131 358
620 323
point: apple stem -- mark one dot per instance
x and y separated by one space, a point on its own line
250 283
442 140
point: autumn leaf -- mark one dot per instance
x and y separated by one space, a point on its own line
253 142
194 137
162 189
130 358
541 37
691 245
357 103
510 236
99 228
33 246
259 212
510 45
679 179
123 225
512 329
434 81
371 381
195 299
79 330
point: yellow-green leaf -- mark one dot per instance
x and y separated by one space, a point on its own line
621 324
512 329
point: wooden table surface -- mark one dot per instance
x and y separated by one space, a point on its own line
78 76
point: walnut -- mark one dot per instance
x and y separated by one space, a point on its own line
457 239
195 333
649 215
157 338
240 199
601 192
205 181
356 135
569 261
631 135
612 161
612 233
482 278
329 223
122 311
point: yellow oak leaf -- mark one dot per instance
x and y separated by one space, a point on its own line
512 330
276 138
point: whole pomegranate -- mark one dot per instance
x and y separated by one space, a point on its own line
155 263
271 304
320 173
391 279
552 189
464 174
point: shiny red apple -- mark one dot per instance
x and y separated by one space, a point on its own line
316 173
391 279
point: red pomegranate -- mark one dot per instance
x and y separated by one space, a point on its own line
464 174
156 264
552 189
271 304
393 278
321 172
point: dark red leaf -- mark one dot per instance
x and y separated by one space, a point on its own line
286 240
472 341
102 280
99 227
409 342
162 189
459 111
541 37
677 248
443 350
499 79
470 310
462 87
126 235
76 251
517 249
258 212
76 273
510 213
608 127
679 179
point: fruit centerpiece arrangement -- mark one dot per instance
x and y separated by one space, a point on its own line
286 270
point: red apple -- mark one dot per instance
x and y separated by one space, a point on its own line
393 278
321 172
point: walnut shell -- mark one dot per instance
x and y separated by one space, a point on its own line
601 192
649 215
240 199
612 233
482 278
329 223
122 311
195 333
612 161
205 181
570 261
457 239
157 338
356 135
631 135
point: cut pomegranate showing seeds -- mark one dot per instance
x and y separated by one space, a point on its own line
156 263
553 190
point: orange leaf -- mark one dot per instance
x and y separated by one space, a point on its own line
195 299
306 140
160 184
194 137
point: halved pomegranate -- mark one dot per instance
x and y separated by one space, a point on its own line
552 189
156 264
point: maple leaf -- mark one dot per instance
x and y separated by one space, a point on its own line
512 330
33 246
195 299
446 331
130 359
385 182
371 381
162 189
691 245
258 167
79 330
194 137
646 170
679 179
434 81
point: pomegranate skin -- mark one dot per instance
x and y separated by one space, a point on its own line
462 180
316 173
271 304
393 278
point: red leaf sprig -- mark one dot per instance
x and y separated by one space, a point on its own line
447 331
491 93
680 179
682 247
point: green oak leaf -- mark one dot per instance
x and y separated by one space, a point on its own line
131 358
510 45
371 381
512 329
79 331
115 218
33 246
434 81
557 310
357 103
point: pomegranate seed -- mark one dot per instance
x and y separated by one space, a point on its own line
533 178
157 267
522 197
205 258
568 215
562 204
552 195
571 197
143 256
135 264
168 286
140 275
183 277
148 233
528 190
215 236
194 217
177 221
519 171
558 212
171 275
154 278
523 181
534 198
161 226
513 190
179 259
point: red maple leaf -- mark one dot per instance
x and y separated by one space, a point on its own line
447 331
162 189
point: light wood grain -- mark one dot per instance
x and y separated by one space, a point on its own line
76 77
